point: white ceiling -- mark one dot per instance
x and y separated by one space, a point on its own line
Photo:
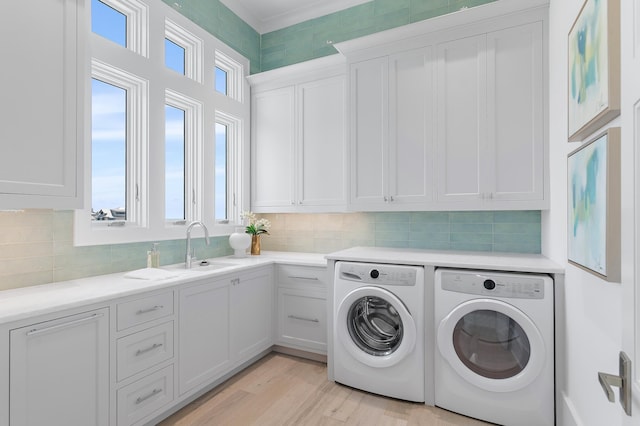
270 15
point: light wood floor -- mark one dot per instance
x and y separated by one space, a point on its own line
285 390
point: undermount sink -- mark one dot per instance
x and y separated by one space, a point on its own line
199 266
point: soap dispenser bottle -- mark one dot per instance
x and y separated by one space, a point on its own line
153 257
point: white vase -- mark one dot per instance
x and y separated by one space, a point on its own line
239 242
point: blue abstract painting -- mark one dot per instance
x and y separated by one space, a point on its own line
587 207
588 65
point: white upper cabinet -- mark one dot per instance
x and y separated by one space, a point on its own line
272 148
515 126
40 134
392 131
462 118
298 138
490 139
450 114
321 146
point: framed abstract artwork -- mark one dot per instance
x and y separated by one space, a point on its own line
594 68
593 175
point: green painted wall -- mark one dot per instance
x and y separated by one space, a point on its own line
308 40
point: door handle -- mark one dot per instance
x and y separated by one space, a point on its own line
622 381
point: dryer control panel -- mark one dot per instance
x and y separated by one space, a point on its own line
376 273
494 284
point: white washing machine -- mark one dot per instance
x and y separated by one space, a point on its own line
495 357
378 330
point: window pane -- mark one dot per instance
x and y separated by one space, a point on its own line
174 163
108 22
221 172
108 151
221 81
174 56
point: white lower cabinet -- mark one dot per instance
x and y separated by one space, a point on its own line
145 396
143 347
204 333
251 312
59 371
158 349
223 323
302 308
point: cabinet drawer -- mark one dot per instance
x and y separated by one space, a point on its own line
143 310
144 349
302 319
140 399
291 275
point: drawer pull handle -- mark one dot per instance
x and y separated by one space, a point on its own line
146 311
65 324
293 277
150 348
304 319
154 392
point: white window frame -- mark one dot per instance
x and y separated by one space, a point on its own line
137 14
192 46
234 157
234 72
136 130
193 138
142 71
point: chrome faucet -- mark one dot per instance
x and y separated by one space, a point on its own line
189 256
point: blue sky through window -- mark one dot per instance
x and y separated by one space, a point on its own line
221 81
221 172
109 118
108 144
108 22
174 56
174 163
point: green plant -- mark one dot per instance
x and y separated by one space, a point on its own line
256 226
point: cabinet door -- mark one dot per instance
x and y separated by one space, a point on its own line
369 96
251 314
302 319
204 334
59 372
321 147
411 127
515 114
461 134
272 148
40 153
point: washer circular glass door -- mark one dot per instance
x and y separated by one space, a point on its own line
375 327
492 345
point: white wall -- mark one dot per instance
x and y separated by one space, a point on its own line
592 314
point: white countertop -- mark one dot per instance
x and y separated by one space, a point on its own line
20 303
451 259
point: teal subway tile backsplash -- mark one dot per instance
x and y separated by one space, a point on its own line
513 232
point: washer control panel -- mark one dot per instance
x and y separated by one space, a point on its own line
375 273
495 284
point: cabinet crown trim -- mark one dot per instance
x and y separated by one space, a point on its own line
462 17
326 66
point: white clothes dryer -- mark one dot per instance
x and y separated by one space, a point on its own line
378 334
495 339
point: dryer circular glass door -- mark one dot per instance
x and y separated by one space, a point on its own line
375 327
492 345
